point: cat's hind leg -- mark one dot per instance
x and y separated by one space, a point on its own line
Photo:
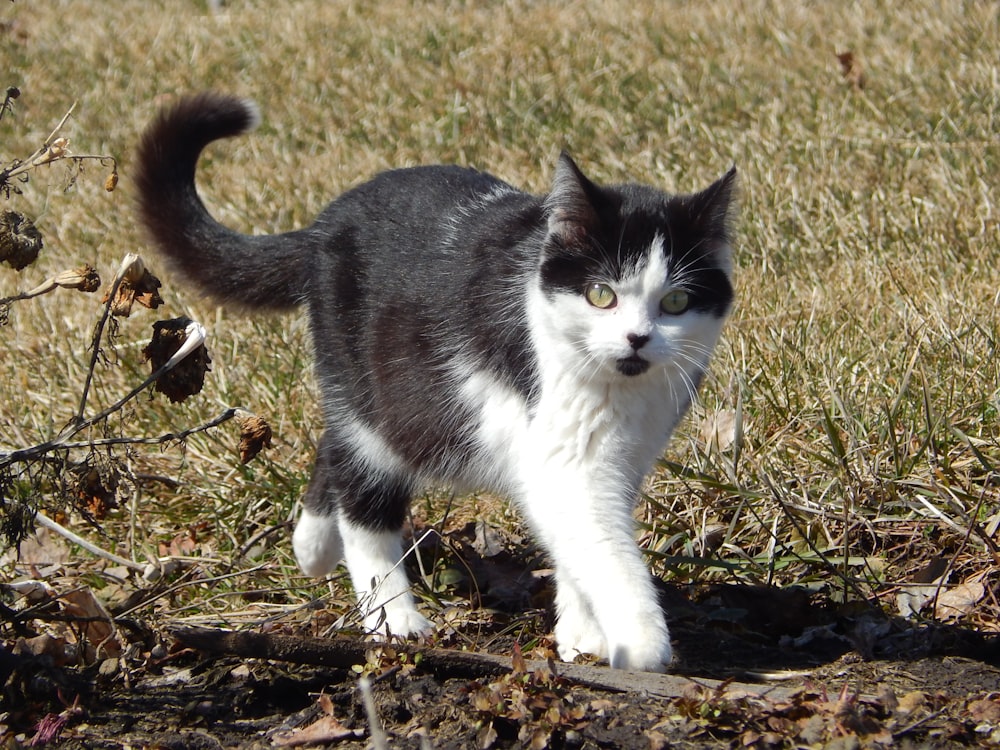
316 541
375 560
355 513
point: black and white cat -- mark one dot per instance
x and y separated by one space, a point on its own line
470 333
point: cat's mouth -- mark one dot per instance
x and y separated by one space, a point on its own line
632 365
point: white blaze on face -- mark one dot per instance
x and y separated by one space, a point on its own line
593 340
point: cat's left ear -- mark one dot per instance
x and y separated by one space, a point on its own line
713 210
712 214
570 205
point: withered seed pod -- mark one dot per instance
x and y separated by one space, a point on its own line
255 435
188 376
20 241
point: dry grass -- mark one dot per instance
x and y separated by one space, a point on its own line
860 369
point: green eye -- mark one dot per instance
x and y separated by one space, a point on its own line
601 295
674 302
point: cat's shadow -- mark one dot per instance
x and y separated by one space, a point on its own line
742 631
719 630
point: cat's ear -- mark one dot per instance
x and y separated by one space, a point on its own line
712 214
570 207
713 210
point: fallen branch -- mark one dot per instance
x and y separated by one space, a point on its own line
346 652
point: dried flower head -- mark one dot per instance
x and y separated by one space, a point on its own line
137 285
20 241
255 435
84 278
187 374
58 149
94 488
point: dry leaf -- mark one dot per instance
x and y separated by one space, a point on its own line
986 710
95 622
324 730
42 548
325 704
718 430
518 665
184 544
850 68
137 285
95 489
486 737
957 601
255 435
57 649
911 702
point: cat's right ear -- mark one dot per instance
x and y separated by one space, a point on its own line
570 207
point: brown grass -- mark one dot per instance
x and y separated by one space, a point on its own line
860 369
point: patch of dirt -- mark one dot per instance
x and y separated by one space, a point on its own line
817 675
757 667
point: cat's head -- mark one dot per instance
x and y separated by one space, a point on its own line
633 280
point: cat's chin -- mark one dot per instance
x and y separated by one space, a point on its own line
631 366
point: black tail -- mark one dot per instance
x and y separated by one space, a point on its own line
262 272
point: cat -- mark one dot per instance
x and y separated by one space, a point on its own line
466 332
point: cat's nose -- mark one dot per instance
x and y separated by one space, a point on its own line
637 340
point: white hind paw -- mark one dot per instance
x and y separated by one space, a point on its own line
317 544
400 621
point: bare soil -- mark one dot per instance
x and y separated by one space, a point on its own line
756 667
834 669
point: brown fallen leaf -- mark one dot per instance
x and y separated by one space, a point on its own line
324 730
719 430
56 648
985 710
851 69
959 600
95 622
910 702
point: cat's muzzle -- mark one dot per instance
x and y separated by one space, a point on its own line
633 365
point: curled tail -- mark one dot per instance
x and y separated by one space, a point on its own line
253 271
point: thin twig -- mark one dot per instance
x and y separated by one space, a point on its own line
95 343
375 730
44 520
164 438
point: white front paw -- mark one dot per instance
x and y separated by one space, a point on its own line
644 648
577 635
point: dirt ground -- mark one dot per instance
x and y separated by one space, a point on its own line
850 680
758 667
